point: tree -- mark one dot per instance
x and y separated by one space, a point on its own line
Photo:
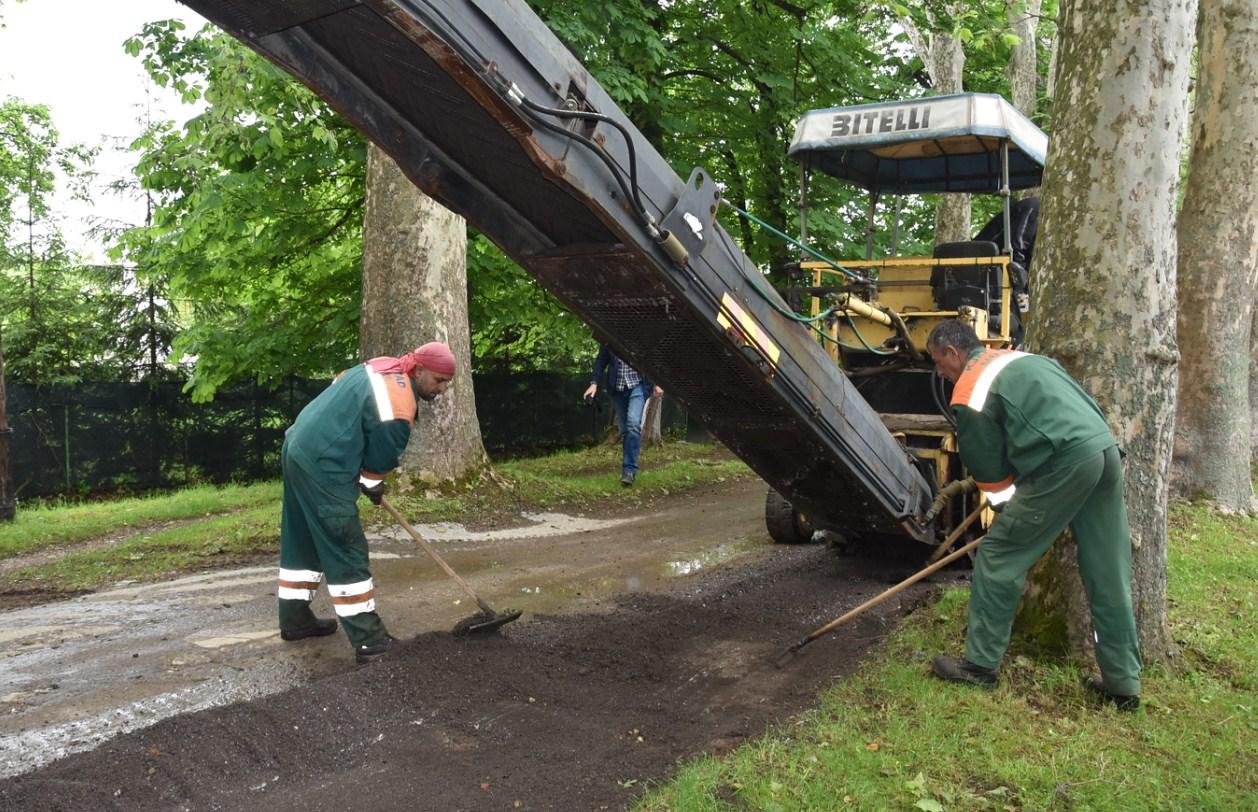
257 216
1106 271
1218 263
415 291
939 46
1023 69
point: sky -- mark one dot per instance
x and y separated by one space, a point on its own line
67 54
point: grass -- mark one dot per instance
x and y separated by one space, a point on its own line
574 480
160 536
893 738
38 527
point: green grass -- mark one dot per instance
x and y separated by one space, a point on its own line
893 738
217 541
38 527
170 534
573 480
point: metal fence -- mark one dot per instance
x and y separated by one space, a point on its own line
101 437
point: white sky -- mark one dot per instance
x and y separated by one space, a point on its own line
67 54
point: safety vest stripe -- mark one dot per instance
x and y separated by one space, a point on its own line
979 375
380 391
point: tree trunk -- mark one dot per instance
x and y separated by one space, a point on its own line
8 507
1253 383
1105 269
652 434
945 62
415 291
1022 70
1218 263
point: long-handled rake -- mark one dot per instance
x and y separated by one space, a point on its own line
789 654
488 620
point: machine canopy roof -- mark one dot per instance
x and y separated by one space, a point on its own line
934 144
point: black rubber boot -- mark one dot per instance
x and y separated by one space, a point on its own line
297 622
321 627
955 670
367 652
1096 687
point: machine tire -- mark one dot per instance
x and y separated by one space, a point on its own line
786 524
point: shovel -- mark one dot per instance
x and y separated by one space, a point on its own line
789 654
488 620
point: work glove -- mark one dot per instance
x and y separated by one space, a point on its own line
374 492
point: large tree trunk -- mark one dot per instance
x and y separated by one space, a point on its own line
1105 269
1218 263
414 291
944 58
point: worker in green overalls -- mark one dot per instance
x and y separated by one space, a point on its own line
1040 448
346 440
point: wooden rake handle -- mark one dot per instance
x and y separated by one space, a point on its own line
384 503
786 655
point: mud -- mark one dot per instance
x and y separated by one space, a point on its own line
643 643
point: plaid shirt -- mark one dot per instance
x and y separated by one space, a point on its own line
622 376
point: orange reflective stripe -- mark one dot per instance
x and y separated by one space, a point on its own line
969 376
347 600
993 487
299 584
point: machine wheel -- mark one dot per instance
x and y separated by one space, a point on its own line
786 524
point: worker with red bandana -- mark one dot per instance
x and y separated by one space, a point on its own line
347 440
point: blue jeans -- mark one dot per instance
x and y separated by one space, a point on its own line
629 405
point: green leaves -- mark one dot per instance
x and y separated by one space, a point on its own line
258 214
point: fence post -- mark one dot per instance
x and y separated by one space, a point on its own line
65 411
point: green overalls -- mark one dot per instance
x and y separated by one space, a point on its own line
357 427
1038 444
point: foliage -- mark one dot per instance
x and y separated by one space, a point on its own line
59 318
891 737
517 326
257 220
720 85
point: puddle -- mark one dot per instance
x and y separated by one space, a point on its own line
707 559
542 525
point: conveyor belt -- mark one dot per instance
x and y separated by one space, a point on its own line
437 86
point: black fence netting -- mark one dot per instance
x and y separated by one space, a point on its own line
99 437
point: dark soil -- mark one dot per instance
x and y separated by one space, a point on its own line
556 713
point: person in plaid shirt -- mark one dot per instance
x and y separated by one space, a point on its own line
629 391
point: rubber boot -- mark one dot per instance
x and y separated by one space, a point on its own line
1123 702
297 622
955 670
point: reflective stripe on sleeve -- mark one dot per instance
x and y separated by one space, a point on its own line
1001 496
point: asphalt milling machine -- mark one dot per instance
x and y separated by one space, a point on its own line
488 113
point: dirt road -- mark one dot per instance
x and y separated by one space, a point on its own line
647 638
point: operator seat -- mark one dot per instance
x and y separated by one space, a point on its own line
973 285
